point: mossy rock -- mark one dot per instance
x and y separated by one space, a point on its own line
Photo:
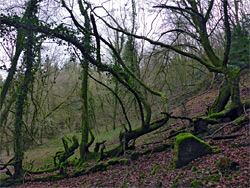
113 161
226 166
196 183
187 147
124 162
135 155
98 167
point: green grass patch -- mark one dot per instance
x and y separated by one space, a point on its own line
42 156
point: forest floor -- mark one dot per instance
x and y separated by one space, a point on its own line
154 169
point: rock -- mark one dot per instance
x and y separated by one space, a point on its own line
200 126
187 147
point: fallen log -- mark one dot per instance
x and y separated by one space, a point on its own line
221 137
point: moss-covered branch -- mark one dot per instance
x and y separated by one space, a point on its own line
61 156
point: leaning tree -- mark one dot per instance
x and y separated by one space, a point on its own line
199 21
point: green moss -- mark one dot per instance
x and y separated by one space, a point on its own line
141 176
99 182
225 165
213 178
196 183
98 167
154 170
180 137
88 182
146 151
113 161
222 162
175 185
230 178
216 149
171 166
126 181
124 162
194 169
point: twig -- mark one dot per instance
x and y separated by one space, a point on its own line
220 129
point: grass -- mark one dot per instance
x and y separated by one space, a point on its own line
42 156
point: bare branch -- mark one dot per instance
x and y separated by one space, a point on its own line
209 10
187 54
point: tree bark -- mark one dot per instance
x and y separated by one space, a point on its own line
22 93
85 143
221 100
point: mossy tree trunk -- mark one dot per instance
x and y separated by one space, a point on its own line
85 143
229 89
127 136
23 92
12 70
221 100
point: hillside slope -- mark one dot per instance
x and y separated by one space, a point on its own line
154 168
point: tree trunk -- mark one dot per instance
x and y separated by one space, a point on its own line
85 114
234 80
115 105
23 92
229 89
127 136
21 98
84 145
221 100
